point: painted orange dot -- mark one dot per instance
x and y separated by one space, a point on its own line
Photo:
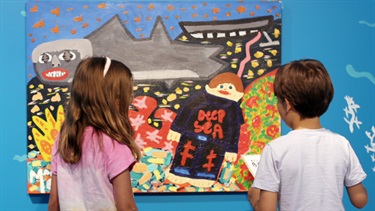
33 40
227 14
85 6
30 35
195 15
215 10
182 9
139 6
125 12
73 31
85 25
257 7
194 7
205 4
102 5
205 16
138 29
46 147
151 7
252 13
54 133
269 10
171 28
241 9
166 17
177 16
170 7
227 5
98 19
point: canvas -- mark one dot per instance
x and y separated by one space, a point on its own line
203 91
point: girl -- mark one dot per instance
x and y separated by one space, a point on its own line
95 151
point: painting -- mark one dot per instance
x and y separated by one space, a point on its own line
203 91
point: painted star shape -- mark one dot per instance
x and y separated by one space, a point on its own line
140 103
153 136
137 122
167 116
168 146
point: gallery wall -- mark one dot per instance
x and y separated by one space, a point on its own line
339 33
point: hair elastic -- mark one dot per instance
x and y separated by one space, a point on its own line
106 66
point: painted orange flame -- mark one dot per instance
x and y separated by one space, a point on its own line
39 24
55 29
34 9
137 19
56 11
78 19
151 7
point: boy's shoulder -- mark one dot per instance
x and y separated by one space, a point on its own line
299 135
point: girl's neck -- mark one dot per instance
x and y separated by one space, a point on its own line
308 123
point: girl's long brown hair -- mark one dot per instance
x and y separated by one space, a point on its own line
98 101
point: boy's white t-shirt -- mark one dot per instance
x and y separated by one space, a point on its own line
309 169
87 185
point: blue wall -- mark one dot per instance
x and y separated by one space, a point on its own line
339 33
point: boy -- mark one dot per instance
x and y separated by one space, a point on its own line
307 168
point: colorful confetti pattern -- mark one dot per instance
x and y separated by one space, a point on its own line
254 59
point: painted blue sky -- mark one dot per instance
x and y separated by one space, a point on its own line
48 21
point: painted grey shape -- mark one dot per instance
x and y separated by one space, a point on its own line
158 57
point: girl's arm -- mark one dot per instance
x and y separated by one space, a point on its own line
53 204
358 195
123 193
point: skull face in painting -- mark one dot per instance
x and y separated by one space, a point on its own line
55 62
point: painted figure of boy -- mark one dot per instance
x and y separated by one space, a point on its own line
207 128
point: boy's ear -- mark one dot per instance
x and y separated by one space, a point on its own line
289 106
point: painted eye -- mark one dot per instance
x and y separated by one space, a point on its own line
230 87
221 86
67 56
44 58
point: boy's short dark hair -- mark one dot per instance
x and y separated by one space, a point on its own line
307 85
